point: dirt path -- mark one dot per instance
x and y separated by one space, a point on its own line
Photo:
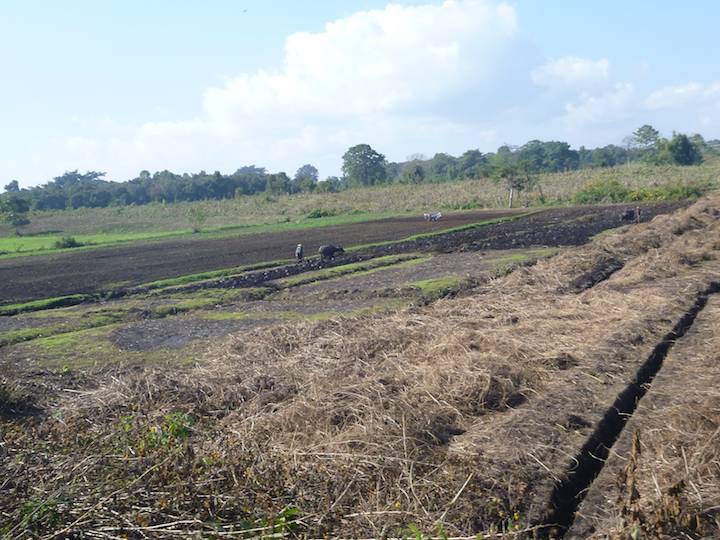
29 278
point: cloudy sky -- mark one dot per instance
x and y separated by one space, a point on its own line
121 86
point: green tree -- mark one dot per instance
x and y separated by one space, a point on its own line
683 151
13 210
443 167
645 137
278 183
363 166
516 176
472 164
12 187
413 173
331 184
305 178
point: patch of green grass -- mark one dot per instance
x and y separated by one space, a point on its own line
28 334
80 321
507 263
46 303
352 268
15 246
432 289
288 315
91 347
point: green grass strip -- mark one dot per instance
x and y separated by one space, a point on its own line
47 303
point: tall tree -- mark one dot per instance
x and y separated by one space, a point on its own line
645 137
413 173
363 166
683 151
307 171
305 178
12 187
13 210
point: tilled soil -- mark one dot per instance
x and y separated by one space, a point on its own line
30 278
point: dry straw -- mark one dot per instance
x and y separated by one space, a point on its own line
444 414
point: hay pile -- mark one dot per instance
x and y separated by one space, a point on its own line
462 413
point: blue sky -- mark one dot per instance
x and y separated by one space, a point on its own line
125 86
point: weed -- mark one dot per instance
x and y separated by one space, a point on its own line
432 289
67 242
320 213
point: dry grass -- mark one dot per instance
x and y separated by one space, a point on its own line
444 414
664 481
397 198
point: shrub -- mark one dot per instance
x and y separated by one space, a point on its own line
68 242
197 217
321 213
601 191
668 193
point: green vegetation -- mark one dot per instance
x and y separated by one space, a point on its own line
363 166
67 242
91 347
432 289
614 191
47 303
506 264
353 268
258 213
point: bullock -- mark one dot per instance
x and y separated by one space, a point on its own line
329 251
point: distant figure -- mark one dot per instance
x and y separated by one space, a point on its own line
328 252
638 212
426 216
631 214
299 252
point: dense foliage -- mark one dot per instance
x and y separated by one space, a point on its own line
362 166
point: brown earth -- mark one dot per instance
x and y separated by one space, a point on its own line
30 278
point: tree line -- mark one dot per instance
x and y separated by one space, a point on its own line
362 166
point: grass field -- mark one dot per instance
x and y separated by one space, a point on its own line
115 224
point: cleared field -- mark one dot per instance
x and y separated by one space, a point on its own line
30 278
491 413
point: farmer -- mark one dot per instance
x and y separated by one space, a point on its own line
638 213
299 252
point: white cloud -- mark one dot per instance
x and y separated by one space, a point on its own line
688 94
611 106
374 61
405 79
394 76
571 71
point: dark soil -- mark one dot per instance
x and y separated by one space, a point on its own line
176 332
30 278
